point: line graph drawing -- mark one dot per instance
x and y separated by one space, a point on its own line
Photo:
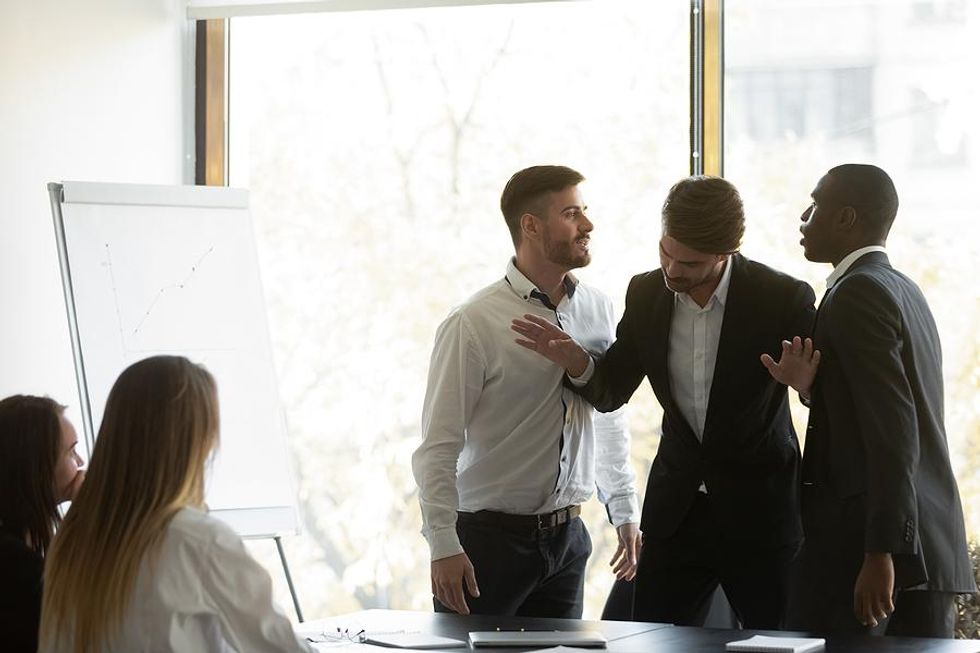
163 291
176 286
115 292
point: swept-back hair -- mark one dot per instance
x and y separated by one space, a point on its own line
158 431
30 443
706 214
526 190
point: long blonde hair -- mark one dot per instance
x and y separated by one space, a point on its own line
158 431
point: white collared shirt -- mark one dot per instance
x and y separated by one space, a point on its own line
499 429
201 592
848 261
693 349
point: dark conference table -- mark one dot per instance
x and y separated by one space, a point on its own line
623 636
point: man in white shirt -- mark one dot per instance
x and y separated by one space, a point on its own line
508 453
721 500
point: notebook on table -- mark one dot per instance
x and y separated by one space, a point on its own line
768 644
527 638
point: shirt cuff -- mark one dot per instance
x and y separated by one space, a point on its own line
623 510
586 376
443 543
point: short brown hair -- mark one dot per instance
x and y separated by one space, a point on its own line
526 190
706 214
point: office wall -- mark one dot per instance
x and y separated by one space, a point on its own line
100 90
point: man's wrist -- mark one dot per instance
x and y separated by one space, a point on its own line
584 374
443 543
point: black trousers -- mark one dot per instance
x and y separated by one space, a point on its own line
523 572
677 576
822 595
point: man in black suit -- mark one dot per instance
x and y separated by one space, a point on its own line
721 503
881 512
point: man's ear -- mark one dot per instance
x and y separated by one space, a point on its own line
530 226
847 219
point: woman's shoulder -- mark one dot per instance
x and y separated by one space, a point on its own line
15 554
198 529
200 524
20 569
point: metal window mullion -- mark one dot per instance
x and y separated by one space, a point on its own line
211 119
697 86
707 87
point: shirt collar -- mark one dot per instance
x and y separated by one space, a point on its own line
848 261
527 290
721 290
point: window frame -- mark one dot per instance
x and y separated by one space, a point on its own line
706 114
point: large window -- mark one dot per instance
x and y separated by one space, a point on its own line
375 146
811 84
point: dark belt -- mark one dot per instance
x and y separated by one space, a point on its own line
523 523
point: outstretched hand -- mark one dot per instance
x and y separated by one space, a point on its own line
797 365
547 339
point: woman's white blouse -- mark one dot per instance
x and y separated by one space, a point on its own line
203 591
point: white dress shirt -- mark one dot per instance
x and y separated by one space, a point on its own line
201 592
499 429
693 349
848 261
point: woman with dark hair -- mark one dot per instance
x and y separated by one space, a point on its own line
39 469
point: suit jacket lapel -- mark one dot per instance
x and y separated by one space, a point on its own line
662 312
738 315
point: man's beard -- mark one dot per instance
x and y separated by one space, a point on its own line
685 285
567 254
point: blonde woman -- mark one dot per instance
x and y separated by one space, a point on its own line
138 565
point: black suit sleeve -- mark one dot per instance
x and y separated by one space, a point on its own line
802 312
801 318
866 329
619 371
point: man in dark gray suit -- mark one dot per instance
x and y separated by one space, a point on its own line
885 546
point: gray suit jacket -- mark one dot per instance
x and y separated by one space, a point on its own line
876 433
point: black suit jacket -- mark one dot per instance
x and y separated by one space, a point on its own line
749 455
876 433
